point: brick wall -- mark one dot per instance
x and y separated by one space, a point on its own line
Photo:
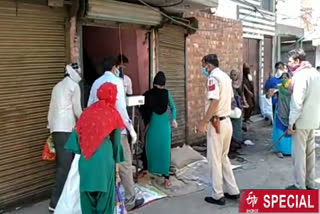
224 38
74 41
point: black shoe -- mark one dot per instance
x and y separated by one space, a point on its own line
292 187
221 201
138 203
309 188
232 197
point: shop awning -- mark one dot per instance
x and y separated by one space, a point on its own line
122 12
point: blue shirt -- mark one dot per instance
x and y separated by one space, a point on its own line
121 105
272 83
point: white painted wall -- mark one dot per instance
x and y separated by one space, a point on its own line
318 56
227 9
288 12
314 33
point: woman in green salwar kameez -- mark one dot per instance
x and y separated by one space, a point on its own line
97 139
158 134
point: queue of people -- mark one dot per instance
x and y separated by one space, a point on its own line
98 136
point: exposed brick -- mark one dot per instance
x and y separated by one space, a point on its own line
74 41
222 37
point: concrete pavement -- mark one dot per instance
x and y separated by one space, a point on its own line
261 170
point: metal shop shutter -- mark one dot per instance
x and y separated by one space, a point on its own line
32 60
122 12
172 61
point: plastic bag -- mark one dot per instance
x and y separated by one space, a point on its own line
266 107
120 207
236 113
49 153
69 202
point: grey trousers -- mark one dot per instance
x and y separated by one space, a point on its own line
303 154
126 175
63 163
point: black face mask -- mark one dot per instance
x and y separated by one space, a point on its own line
121 75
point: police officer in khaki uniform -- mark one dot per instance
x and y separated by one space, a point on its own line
219 132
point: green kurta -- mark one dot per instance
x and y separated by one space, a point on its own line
97 175
158 141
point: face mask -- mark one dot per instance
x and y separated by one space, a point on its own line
250 77
118 73
204 72
279 73
293 67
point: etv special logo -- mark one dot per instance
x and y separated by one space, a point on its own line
252 200
280 201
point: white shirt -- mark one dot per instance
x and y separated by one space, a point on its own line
65 104
220 88
127 85
305 102
121 105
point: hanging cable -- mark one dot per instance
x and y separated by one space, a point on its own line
187 25
172 5
167 16
120 44
173 19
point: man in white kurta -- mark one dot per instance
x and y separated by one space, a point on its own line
219 97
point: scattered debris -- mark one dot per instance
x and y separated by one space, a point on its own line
248 143
200 148
235 166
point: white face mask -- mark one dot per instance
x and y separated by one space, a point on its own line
73 74
250 77
279 73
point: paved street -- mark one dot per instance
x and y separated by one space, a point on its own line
261 170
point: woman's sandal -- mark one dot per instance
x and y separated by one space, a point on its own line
167 184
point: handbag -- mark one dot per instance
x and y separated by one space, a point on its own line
49 152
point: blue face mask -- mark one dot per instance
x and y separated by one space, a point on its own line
118 73
204 72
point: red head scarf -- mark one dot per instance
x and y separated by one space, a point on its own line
99 120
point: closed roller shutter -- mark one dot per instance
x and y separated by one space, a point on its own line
122 12
32 60
172 62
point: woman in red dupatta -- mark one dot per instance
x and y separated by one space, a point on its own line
97 139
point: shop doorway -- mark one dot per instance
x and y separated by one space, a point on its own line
251 56
101 42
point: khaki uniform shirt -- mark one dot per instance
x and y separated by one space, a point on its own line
219 88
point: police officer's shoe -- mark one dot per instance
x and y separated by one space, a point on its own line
221 201
292 187
310 188
232 197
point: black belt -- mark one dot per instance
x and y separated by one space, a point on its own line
220 118
223 118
